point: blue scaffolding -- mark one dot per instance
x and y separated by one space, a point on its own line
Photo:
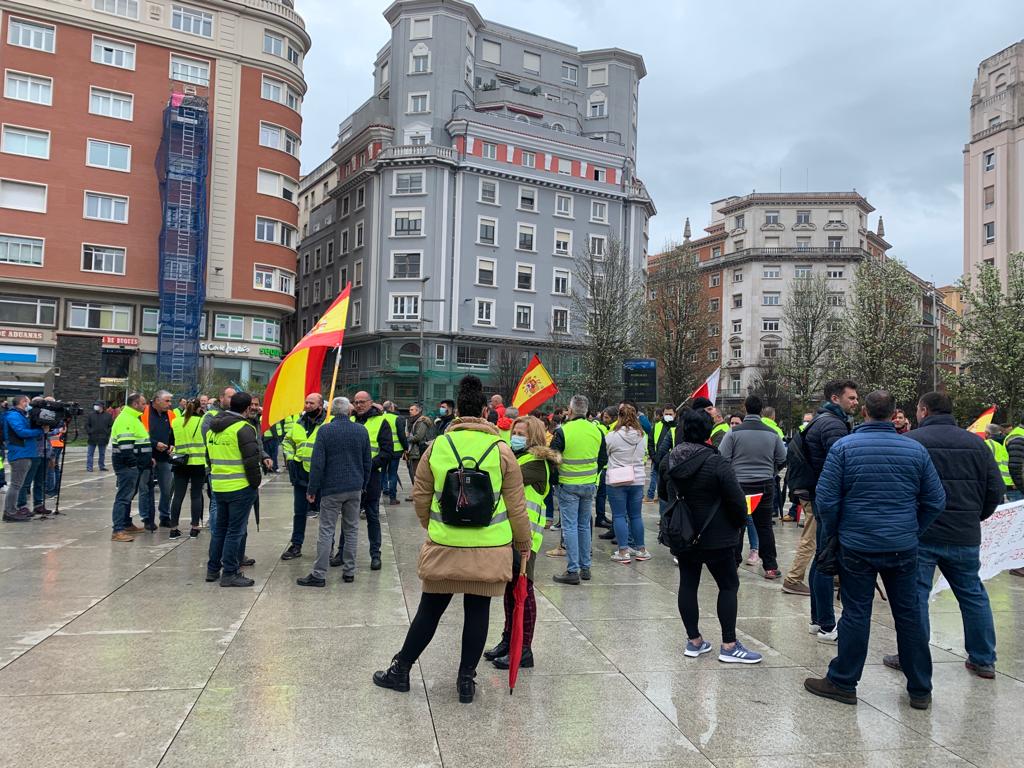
182 168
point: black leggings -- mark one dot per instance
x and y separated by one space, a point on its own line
194 478
722 565
432 608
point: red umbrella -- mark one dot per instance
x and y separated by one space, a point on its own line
515 642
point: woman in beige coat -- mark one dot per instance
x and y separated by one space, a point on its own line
477 572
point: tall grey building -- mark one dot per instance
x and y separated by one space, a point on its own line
484 160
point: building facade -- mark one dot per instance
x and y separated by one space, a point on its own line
485 160
994 163
84 110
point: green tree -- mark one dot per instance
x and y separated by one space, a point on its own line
991 333
814 337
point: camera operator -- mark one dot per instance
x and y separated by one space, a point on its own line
24 444
41 416
158 419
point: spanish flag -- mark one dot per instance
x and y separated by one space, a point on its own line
752 501
299 373
979 425
534 388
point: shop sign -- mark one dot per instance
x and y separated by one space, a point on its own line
227 349
270 352
11 333
121 341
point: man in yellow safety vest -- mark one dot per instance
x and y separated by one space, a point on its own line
399 445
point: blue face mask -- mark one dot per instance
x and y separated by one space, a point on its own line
443 411
518 442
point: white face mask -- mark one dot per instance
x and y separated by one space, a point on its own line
669 418
97 408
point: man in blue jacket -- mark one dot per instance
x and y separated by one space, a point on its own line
974 488
23 451
878 492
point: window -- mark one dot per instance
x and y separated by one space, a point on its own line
317 259
490 52
737 276
835 243
600 174
803 271
737 301
563 242
100 317
485 273
23 251
528 199
712 355
739 221
113 53
420 63
597 76
488 192
361 198
103 258
487 231
714 330
419 103
405 265
127 8
105 154
23 311
27 34
524 277
467 356
356 313
345 247
990 197
330 252
489 151
803 217
736 352
266 330
771 299
228 327
597 106
524 317
560 282
405 306
529 160
715 280
525 237
564 166
598 212
570 73
770 325
563 205
559 320
409 183
33 88
771 218
106 207
531 62
803 243
420 28
276 137
273 44
273 231
835 300
597 246
276 185
737 245
835 217
316 291
357 274
714 305
834 273
305 263
190 70
150 321
484 312
737 326
345 203
110 103
342 277
273 279
989 230
191 21
771 273
405 223
25 141
989 160
273 90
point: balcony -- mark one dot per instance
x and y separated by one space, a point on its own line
418 152
283 8
793 253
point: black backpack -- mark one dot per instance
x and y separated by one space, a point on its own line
467 497
799 472
677 531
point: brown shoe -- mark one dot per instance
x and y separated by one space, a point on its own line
788 518
823 687
795 588
556 552
122 536
132 528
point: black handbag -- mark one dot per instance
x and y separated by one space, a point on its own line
179 460
467 497
827 558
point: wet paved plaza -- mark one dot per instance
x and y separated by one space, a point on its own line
121 655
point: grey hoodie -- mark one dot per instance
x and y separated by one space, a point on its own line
626 448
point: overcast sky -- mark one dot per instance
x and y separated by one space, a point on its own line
871 96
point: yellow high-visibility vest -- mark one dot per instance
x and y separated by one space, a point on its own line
188 440
392 419
535 501
1002 457
227 471
582 448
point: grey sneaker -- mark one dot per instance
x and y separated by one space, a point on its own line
235 580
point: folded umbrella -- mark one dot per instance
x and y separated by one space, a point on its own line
515 642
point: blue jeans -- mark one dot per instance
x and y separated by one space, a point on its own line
627 501
36 478
161 472
389 478
549 505
823 604
270 445
101 449
602 495
226 540
653 487
574 505
752 532
53 473
960 566
127 485
899 572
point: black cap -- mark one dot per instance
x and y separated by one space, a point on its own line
701 402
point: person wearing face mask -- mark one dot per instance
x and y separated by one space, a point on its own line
97 430
660 439
445 414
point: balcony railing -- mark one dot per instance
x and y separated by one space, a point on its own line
794 251
285 9
403 151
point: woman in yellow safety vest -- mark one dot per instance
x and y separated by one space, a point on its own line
460 554
539 465
191 476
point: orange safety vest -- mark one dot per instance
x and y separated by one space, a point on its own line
171 416
57 441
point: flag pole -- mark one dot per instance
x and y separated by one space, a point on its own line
334 378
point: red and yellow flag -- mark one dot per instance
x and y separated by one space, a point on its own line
753 500
299 373
534 388
979 425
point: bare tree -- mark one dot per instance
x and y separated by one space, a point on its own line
768 384
814 334
512 361
607 301
675 328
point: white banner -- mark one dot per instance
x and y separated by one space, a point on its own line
1002 543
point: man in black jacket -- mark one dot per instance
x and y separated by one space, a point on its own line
1014 444
97 430
974 488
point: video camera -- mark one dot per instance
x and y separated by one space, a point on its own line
50 413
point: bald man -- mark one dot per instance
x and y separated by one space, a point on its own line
302 436
371 416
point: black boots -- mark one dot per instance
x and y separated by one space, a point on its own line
395 677
501 649
526 662
466 685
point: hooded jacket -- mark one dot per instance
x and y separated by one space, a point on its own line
626 449
707 481
248 444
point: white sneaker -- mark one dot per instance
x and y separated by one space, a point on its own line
641 554
827 637
813 629
619 557
753 559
